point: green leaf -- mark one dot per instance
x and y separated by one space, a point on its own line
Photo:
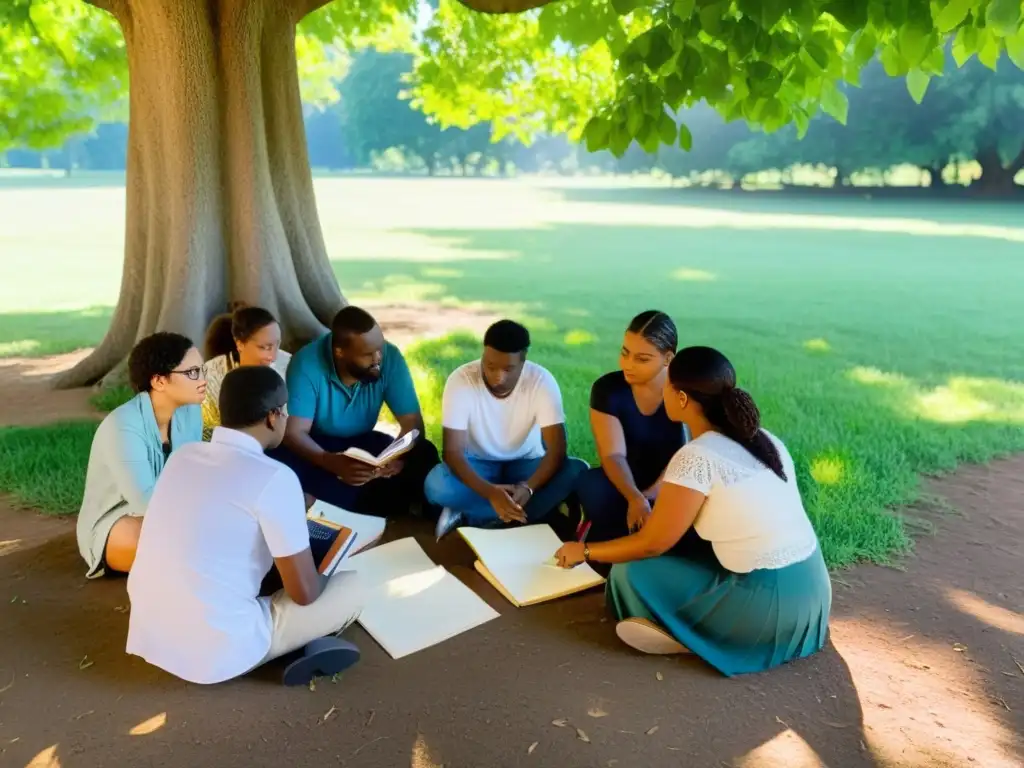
711 18
1015 48
625 7
634 117
675 91
894 63
818 54
802 120
834 102
965 44
990 50
935 64
763 79
661 51
772 12
914 44
865 48
683 9
1003 16
685 138
951 16
596 133
619 140
667 130
852 14
917 84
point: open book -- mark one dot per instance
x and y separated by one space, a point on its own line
392 452
367 528
411 603
518 563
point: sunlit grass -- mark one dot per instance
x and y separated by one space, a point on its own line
871 345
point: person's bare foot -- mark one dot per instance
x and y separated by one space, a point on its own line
647 637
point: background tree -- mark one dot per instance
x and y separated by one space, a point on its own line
219 192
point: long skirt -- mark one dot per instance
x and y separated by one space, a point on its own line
737 622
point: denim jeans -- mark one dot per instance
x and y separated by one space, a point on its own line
444 489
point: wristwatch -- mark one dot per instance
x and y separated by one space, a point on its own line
528 488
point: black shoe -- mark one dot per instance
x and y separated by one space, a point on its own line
321 658
447 522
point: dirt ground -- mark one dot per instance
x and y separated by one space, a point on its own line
925 667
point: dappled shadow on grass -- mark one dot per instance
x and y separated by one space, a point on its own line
37 334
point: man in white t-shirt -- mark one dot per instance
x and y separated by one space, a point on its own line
504 440
221 515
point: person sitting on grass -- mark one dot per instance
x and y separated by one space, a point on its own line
635 437
728 566
247 336
504 440
337 386
222 515
131 446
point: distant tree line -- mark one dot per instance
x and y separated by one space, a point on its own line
970 115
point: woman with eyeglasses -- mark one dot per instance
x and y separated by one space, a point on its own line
132 445
249 336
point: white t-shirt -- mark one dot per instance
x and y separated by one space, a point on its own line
502 429
752 517
219 515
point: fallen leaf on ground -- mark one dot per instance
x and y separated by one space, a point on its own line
780 721
652 730
582 736
597 712
328 713
959 647
14 599
85 663
660 676
369 720
532 747
560 722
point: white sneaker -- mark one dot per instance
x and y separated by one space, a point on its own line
647 637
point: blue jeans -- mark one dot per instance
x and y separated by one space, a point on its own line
444 489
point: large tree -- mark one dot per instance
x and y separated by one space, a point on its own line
220 199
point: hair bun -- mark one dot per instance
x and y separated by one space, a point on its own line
742 412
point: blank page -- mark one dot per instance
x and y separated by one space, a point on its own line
519 559
390 561
413 612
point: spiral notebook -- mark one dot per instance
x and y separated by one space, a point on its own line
412 603
518 563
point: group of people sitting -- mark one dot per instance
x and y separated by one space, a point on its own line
198 488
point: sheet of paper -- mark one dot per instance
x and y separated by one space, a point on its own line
367 528
390 561
421 609
520 559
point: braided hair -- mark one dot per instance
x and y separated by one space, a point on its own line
657 329
708 378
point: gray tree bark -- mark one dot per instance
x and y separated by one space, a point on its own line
220 203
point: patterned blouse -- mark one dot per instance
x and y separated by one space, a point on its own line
216 370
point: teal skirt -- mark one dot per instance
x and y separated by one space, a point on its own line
737 622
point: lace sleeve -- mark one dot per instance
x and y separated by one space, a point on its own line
690 468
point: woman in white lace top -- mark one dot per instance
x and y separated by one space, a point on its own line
247 336
727 566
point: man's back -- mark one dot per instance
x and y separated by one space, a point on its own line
220 513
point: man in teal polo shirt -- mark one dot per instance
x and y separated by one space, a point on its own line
336 388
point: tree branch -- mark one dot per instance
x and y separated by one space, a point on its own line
116 8
503 6
305 7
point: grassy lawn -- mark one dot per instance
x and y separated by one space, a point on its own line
880 338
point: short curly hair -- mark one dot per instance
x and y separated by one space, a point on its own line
156 355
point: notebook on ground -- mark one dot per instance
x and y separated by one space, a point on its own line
367 528
393 451
411 603
517 562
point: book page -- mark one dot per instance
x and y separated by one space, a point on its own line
368 529
390 561
418 610
403 443
520 559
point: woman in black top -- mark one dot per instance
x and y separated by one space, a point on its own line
635 437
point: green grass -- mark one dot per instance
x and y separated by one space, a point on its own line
880 339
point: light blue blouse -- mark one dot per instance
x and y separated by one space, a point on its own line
125 460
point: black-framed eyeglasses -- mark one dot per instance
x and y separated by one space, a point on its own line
193 373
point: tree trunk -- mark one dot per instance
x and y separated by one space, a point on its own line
220 203
996 179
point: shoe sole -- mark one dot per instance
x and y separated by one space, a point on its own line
647 637
323 663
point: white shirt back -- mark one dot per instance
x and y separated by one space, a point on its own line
502 429
752 517
219 515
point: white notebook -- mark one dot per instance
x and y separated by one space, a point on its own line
368 529
517 562
411 603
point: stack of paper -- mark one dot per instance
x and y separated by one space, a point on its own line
518 563
410 602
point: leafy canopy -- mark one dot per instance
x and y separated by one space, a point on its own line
610 71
